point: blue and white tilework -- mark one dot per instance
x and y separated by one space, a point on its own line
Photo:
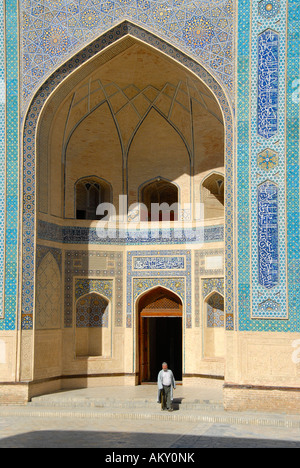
54 30
215 311
260 307
268 234
268 130
9 161
2 152
268 83
92 309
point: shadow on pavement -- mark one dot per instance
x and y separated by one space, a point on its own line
127 440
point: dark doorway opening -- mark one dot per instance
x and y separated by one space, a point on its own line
160 334
165 344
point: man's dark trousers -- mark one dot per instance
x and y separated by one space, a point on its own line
166 397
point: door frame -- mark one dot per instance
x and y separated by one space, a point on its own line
142 329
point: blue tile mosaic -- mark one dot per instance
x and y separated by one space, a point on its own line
268 234
2 152
9 162
268 82
54 30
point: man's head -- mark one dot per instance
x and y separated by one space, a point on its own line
165 366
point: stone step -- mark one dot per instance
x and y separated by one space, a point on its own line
84 402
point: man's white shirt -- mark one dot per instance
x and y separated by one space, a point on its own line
166 377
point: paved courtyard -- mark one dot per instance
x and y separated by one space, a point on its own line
55 432
100 418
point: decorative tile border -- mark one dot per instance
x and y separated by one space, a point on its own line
86 235
2 154
9 165
176 280
249 141
292 164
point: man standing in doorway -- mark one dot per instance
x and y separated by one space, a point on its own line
166 383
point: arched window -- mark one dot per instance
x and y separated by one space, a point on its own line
89 193
160 192
212 196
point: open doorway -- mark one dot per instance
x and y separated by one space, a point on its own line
160 334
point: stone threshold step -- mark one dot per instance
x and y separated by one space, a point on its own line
111 403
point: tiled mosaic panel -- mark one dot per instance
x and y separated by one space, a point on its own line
266 303
268 234
292 160
159 263
2 152
92 307
215 311
10 214
86 235
95 270
268 77
29 149
53 30
268 131
140 281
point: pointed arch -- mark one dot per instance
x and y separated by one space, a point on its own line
48 294
37 123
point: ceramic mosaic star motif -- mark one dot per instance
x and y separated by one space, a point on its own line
54 30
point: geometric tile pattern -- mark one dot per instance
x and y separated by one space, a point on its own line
292 164
92 312
10 213
268 8
2 153
101 267
215 311
48 294
267 159
91 302
55 29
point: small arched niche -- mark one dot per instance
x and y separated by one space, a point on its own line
91 318
214 326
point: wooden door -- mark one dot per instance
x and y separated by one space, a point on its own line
144 351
